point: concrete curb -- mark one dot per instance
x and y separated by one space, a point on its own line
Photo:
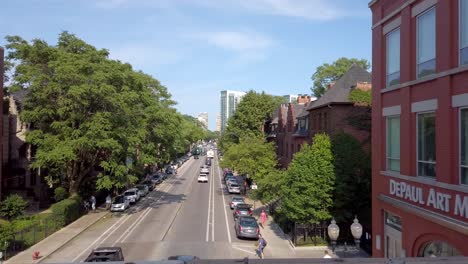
68 240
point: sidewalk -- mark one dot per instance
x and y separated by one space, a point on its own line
279 244
55 241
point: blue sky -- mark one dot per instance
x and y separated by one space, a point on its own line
197 48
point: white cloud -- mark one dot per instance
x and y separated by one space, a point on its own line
237 41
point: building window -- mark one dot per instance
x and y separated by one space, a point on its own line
439 249
463 32
464 146
426 145
393 57
393 143
426 43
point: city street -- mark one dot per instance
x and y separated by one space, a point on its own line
181 217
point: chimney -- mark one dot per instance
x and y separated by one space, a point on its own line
364 86
330 85
303 99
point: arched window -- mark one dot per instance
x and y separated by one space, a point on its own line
438 249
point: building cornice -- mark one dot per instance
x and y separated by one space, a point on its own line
427 181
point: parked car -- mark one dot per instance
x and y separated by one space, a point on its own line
235 201
242 209
227 175
202 178
230 181
105 254
246 226
143 190
170 170
150 184
132 195
120 204
156 179
233 188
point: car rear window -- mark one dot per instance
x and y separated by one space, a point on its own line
129 193
249 222
234 185
238 199
119 199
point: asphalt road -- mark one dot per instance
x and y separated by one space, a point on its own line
181 217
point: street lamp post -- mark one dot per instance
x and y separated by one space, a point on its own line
356 230
333 233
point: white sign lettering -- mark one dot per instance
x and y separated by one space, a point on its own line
434 199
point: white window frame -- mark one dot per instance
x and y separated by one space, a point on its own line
417 40
386 142
459 144
460 31
387 84
417 147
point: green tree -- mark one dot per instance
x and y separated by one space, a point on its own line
87 111
308 188
250 116
328 73
353 179
13 206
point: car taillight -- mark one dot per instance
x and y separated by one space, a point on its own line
258 230
240 228
237 212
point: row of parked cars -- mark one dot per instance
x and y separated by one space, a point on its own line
133 195
246 225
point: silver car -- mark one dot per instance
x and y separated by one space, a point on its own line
235 201
132 195
233 188
143 190
120 204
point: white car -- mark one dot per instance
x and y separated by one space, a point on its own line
205 170
233 188
202 178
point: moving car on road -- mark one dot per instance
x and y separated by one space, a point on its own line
205 170
246 226
105 254
132 195
120 204
202 178
235 201
242 209
233 188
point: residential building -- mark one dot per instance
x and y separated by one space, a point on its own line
203 118
290 98
334 113
229 102
419 127
1 119
218 122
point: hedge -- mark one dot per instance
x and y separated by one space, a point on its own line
67 211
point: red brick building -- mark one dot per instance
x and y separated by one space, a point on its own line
1 118
420 127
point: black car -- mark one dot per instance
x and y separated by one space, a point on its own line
150 184
105 254
208 162
242 210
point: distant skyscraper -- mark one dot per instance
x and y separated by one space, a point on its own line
218 122
229 102
203 118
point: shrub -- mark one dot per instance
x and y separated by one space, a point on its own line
67 211
60 194
6 234
13 206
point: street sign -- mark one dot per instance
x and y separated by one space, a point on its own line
254 187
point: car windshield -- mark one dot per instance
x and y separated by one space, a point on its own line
129 193
140 187
118 200
237 199
248 222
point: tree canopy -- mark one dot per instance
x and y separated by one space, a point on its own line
250 116
92 118
306 196
328 73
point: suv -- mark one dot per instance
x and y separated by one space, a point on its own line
132 195
105 254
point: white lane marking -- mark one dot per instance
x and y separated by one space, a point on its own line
224 202
213 206
209 211
247 251
127 232
97 239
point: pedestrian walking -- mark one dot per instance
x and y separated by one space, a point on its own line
263 217
108 202
86 205
261 246
327 255
93 202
